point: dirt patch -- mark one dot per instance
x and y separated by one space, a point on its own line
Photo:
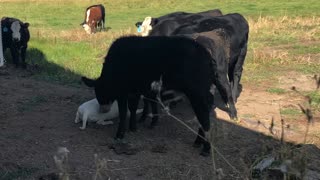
37 117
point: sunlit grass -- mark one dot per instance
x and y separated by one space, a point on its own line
283 35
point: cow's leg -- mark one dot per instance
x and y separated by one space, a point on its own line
237 72
133 106
155 115
145 110
23 57
122 105
224 88
200 104
15 56
200 138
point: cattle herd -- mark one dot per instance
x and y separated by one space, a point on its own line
198 55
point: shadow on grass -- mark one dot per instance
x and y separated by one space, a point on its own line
41 68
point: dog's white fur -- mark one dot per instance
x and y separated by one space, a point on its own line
89 112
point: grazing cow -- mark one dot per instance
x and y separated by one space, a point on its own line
140 65
150 23
15 36
94 19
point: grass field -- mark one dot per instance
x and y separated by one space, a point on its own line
284 35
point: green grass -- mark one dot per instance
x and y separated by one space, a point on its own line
315 96
276 90
67 52
290 112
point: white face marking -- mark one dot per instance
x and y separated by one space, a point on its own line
146 27
87 28
15 28
88 15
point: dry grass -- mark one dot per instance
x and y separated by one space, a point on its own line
275 41
305 28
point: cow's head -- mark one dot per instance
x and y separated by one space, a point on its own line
146 26
103 95
18 30
87 28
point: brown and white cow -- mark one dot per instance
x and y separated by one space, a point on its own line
94 19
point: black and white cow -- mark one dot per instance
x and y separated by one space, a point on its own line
94 19
15 36
140 65
150 23
235 29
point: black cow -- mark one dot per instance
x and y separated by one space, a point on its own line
15 36
94 19
150 23
236 31
138 65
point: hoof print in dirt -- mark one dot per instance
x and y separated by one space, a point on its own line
123 148
160 148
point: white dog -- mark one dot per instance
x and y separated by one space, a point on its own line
89 112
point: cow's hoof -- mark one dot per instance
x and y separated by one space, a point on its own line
153 124
119 136
142 119
82 128
24 66
197 145
206 149
205 153
133 129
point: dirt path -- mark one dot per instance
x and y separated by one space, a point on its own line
37 117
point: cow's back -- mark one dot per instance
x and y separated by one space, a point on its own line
166 24
144 60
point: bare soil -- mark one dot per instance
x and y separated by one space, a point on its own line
37 117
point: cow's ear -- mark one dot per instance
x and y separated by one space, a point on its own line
88 82
138 24
154 21
26 25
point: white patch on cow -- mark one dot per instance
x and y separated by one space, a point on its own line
88 15
146 26
1 48
15 28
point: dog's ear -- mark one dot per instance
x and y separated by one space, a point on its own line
89 82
